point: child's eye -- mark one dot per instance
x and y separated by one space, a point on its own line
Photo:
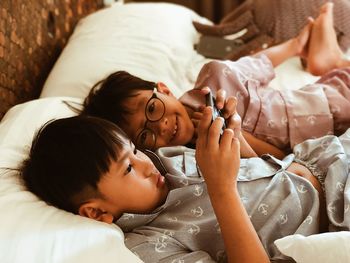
151 108
128 170
143 138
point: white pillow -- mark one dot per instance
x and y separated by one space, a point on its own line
333 247
31 230
153 41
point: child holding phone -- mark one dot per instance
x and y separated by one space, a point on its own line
273 121
89 167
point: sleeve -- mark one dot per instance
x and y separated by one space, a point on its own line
325 157
328 159
321 153
152 246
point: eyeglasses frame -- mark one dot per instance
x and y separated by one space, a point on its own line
145 128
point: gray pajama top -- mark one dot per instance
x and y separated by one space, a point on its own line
279 203
185 229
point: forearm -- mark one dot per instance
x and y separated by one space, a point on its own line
246 150
280 53
241 240
261 147
219 160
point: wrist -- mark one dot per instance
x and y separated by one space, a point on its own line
246 149
222 192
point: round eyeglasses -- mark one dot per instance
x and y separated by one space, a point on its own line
154 111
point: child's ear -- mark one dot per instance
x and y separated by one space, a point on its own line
92 210
162 88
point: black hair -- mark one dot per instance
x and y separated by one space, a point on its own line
107 97
68 157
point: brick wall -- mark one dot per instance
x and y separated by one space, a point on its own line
32 35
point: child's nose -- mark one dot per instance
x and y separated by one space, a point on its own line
145 166
148 169
163 126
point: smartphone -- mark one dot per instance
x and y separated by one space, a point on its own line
210 101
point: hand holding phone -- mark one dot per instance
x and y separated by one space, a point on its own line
210 101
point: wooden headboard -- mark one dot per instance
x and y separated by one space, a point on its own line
32 35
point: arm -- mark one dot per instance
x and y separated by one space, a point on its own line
262 147
293 47
247 150
219 161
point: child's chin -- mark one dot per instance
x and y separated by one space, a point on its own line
187 140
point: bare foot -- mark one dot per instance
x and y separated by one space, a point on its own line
324 53
303 39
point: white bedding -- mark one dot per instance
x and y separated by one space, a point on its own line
152 41
155 42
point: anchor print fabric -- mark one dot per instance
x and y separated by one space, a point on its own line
329 158
283 118
185 229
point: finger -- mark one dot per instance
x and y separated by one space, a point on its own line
214 133
197 115
195 123
235 125
220 98
201 108
234 121
205 90
226 138
230 107
236 149
203 127
237 132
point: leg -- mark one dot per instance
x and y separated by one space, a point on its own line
324 53
296 46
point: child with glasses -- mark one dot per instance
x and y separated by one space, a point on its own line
148 112
272 121
89 167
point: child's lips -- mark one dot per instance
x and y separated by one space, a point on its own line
160 180
175 133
